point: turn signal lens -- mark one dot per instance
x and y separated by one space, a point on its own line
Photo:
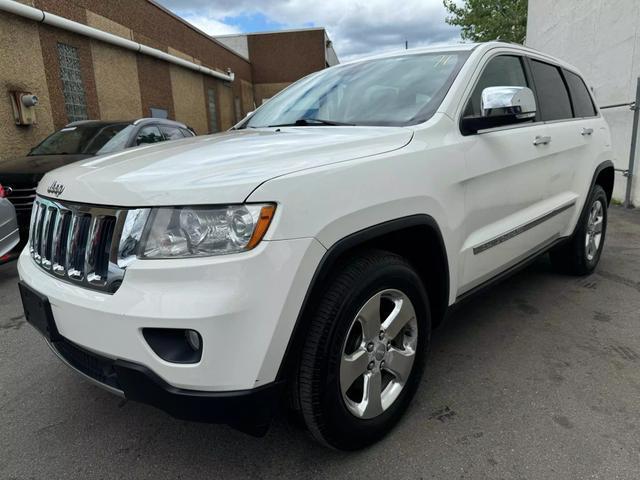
266 214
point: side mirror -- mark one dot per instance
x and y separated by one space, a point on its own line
501 106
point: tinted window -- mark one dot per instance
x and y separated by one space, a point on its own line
552 92
582 104
502 71
149 134
117 142
171 133
187 133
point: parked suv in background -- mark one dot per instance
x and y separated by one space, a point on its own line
78 141
310 251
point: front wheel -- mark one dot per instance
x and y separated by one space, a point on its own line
363 357
581 254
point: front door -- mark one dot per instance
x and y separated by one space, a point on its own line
510 210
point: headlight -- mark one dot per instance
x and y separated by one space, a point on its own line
204 231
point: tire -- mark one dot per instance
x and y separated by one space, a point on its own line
342 329
581 254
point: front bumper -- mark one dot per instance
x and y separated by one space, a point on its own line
249 411
244 306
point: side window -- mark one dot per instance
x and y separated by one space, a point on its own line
171 133
582 103
552 92
149 134
501 71
187 133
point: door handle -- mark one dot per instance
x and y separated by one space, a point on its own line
586 131
546 140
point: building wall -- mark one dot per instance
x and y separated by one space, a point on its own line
225 106
22 69
602 39
116 73
154 77
49 39
188 87
278 59
264 91
286 57
121 84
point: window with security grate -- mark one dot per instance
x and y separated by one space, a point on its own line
72 87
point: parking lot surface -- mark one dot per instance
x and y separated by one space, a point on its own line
536 378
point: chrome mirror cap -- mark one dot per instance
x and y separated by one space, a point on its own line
518 101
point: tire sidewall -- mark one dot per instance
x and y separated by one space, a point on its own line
342 425
596 194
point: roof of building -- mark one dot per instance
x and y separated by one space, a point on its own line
269 32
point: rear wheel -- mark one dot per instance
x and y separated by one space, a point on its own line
581 254
363 357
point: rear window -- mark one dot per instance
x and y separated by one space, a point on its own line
171 133
582 103
552 92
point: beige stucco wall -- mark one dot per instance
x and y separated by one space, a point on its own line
247 97
22 69
225 106
267 90
116 73
188 95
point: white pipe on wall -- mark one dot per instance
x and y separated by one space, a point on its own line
41 16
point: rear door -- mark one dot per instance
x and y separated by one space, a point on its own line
570 135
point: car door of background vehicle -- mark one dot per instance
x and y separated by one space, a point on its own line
509 213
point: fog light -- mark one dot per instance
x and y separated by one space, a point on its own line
193 339
175 345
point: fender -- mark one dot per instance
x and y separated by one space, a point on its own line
328 262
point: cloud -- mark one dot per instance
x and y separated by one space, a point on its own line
212 26
357 27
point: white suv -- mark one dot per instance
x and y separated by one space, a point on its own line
306 254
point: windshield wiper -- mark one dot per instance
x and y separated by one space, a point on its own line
306 122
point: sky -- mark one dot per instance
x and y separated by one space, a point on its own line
357 27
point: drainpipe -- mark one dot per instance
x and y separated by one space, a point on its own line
47 18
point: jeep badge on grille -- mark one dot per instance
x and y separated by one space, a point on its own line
55 188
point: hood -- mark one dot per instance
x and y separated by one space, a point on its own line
37 164
221 168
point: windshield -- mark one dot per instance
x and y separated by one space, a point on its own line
80 139
403 90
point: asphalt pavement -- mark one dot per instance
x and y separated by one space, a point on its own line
536 378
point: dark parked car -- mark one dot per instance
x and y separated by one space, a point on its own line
77 141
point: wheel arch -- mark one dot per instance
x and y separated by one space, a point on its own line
409 237
605 177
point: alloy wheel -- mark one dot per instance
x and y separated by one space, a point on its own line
378 354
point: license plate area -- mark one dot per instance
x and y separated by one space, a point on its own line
37 311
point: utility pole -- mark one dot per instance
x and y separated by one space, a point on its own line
406 44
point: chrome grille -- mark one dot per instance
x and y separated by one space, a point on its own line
78 243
